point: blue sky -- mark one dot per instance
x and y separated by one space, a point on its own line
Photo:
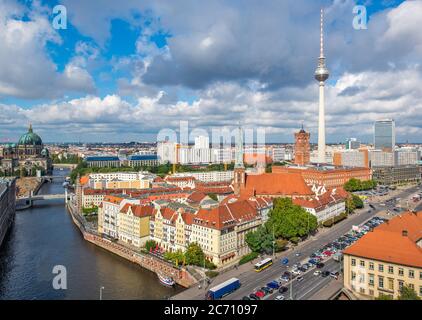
125 70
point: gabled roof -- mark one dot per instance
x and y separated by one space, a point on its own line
196 197
276 184
137 210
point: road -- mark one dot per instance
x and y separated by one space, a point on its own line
311 284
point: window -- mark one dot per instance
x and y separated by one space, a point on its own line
390 269
401 283
381 268
412 286
420 290
390 284
371 280
362 263
371 292
371 266
401 272
411 274
381 282
353 276
353 262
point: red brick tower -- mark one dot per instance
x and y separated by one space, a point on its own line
302 147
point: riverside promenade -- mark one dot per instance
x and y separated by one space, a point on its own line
180 275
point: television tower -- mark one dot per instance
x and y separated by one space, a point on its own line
321 75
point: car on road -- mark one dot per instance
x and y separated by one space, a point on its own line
334 275
320 265
299 279
280 297
283 289
246 298
285 261
273 284
317 272
254 297
260 294
267 290
325 274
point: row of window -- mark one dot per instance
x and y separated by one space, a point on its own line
390 269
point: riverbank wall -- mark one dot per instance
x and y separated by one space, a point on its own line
180 275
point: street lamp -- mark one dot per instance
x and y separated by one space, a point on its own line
273 242
101 293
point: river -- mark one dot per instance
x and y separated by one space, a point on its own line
45 236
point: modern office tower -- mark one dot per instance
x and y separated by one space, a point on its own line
384 135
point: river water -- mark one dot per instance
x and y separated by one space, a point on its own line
43 237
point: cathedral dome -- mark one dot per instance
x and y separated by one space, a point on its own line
30 138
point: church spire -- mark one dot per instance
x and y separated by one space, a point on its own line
30 128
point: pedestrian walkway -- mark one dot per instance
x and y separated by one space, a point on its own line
327 292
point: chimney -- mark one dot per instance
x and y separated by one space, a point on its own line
404 233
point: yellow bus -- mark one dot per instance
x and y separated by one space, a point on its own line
263 264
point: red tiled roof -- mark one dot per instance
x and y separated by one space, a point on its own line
330 197
226 215
112 199
137 210
196 197
276 184
387 242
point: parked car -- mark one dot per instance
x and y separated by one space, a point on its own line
254 297
283 289
334 275
260 294
267 290
317 273
299 279
273 285
320 265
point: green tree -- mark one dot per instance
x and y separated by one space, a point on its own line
384 297
407 293
357 201
289 220
213 196
150 244
194 254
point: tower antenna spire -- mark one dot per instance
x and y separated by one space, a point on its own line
322 34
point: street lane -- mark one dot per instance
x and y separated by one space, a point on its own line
251 280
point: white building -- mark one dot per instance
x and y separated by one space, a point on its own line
167 152
209 176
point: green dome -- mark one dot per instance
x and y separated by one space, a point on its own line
30 138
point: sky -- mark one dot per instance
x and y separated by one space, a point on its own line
124 70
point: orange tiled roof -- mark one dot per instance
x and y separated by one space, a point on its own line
282 184
226 215
387 242
196 197
137 210
112 199
330 197
84 180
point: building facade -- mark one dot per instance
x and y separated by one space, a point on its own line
28 154
385 135
302 151
386 259
396 175
7 205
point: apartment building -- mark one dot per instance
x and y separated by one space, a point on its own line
7 205
386 259
134 224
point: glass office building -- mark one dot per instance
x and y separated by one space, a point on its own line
384 135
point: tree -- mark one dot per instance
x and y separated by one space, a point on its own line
213 196
289 220
150 244
384 297
194 254
176 257
407 293
357 201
